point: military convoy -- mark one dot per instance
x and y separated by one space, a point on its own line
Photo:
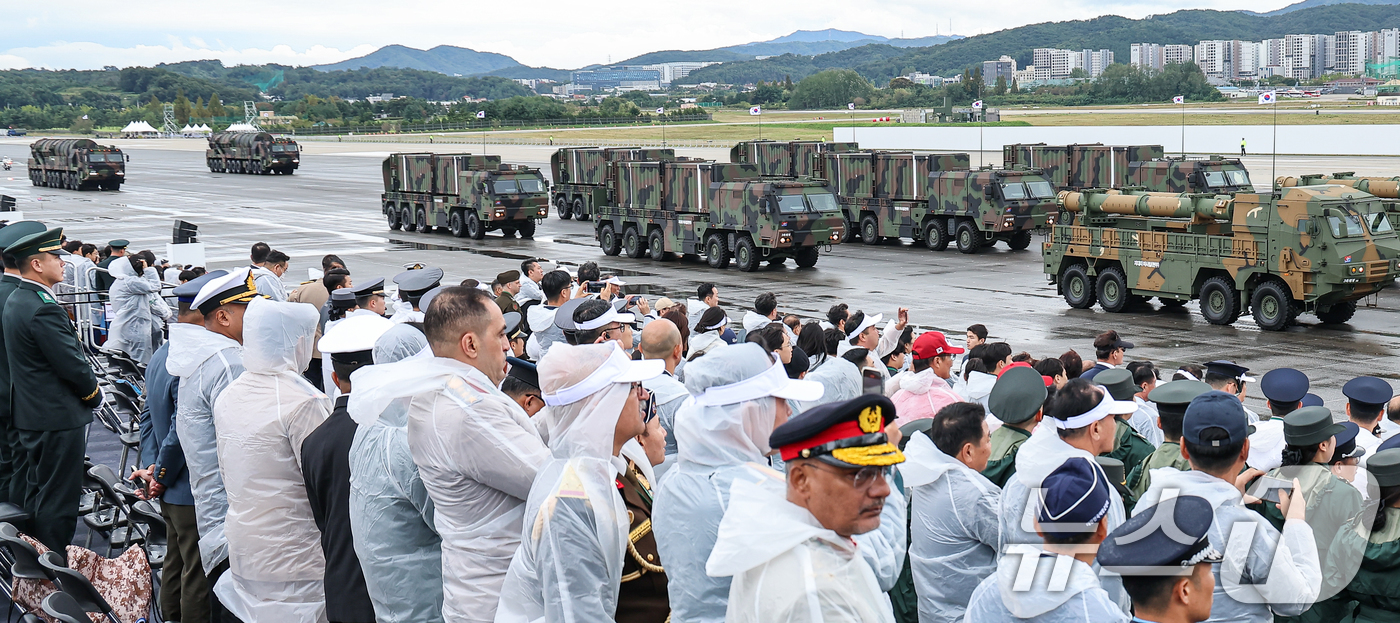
722 211
1087 166
580 174
1314 249
469 195
76 164
257 153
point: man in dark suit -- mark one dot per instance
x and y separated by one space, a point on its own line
11 487
104 279
1109 349
53 389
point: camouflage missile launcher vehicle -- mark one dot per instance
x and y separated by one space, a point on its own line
580 175
1387 188
257 153
76 164
1313 249
1076 167
723 211
469 195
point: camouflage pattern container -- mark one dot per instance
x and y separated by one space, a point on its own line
256 153
685 184
1305 249
581 175
466 194
1077 167
448 167
1223 176
1386 188
806 153
637 185
76 164
977 209
773 159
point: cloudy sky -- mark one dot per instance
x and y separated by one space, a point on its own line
89 34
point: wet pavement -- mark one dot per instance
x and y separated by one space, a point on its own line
331 205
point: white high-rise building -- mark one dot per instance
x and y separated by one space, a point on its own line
1146 55
1177 54
1351 50
1054 64
1304 56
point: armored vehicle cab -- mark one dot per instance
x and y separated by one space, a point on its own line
977 209
76 164
1221 176
256 153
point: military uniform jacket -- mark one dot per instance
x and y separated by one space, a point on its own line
1376 587
507 303
1006 441
1334 512
1129 446
1166 455
52 385
102 280
8 283
642 598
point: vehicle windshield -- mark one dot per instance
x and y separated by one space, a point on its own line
1346 225
1378 222
791 204
1041 189
1238 178
1215 178
823 202
530 185
505 187
97 157
1013 191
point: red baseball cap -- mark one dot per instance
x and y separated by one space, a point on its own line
932 344
1021 364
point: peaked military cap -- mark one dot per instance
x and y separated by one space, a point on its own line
343 298
186 292
1167 538
1176 394
119 243
524 371
1312 400
373 288
1284 385
1116 473
1017 395
350 343
1229 369
48 241
237 287
514 325
1346 444
416 282
1309 425
428 297
1119 382
1389 444
11 233
847 434
1368 390
1385 466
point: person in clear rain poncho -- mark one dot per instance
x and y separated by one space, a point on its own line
569 565
276 565
139 312
739 395
476 450
391 515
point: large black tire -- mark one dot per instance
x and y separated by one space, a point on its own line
716 251
632 243
1272 305
475 230
580 211
456 224
806 257
526 229
746 255
1112 290
777 260
561 206
607 239
1220 301
406 219
1020 241
968 238
936 234
421 218
1337 314
392 215
870 230
507 232
1078 288
656 245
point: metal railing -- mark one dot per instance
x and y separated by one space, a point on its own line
493 124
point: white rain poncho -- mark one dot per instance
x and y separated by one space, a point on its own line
754 321
884 548
1144 421
953 527
999 599
1277 573
668 394
716 445
276 565
702 344
786 567
205 362
569 565
139 312
391 514
543 332
477 453
978 388
841 379
269 284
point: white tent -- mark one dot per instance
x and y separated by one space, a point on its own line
242 127
139 127
203 128
188 129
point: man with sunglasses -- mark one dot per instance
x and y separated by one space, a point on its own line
790 550
594 321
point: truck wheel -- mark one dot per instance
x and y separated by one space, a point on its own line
745 255
561 206
656 245
1020 241
1272 305
806 257
632 243
475 230
526 229
422 221
456 225
969 239
777 260
1220 301
580 212
393 217
406 219
716 253
870 230
936 234
1113 290
507 232
1078 287
607 238
1337 314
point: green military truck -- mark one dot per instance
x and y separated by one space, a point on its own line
1386 188
254 153
1088 166
722 211
790 159
1306 249
76 164
469 195
580 175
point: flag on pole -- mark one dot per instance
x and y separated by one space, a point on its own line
1268 97
1179 100
851 106
480 114
977 105
755 110
661 111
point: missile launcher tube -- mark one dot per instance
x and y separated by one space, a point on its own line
1145 204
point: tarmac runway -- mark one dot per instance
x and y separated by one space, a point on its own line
331 205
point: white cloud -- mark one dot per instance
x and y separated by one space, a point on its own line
89 55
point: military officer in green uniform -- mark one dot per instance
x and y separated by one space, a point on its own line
52 391
11 487
1129 446
104 279
510 286
1171 399
1376 587
1016 400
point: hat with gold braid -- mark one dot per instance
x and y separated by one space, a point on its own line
237 287
845 434
48 241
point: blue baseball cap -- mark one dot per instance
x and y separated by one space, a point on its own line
1074 496
1215 409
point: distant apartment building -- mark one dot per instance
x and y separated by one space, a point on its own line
616 79
1056 64
671 72
919 77
1155 56
1004 68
